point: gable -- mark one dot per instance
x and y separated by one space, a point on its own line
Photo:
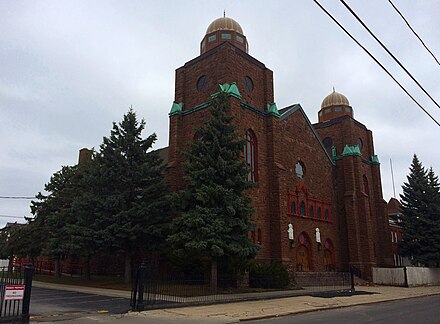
292 114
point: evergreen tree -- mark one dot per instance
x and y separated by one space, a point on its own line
421 222
51 215
433 193
216 212
133 207
86 230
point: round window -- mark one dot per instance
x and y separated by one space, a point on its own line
202 82
248 84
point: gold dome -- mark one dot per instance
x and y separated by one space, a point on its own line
224 23
335 99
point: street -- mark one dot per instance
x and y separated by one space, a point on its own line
407 311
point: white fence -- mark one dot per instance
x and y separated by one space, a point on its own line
406 276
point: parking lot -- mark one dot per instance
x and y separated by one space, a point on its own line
50 304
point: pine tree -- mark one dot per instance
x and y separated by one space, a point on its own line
420 207
216 212
433 255
133 208
51 215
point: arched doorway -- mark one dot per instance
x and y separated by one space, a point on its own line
303 253
329 262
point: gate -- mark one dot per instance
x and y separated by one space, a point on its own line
15 293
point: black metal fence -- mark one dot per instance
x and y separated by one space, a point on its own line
151 292
15 293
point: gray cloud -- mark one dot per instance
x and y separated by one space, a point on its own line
68 69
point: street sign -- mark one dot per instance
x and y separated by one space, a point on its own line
14 292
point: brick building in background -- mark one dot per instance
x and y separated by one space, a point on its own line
396 232
320 180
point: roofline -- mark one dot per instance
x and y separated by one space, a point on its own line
215 49
289 110
338 120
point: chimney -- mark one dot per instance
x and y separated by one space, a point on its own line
84 155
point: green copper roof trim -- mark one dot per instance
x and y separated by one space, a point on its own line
230 89
375 159
198 107
252 108
356 150
347 151
273 109
176 108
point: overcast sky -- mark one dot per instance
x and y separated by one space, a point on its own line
68 69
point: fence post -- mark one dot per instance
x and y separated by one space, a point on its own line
352 278
141 287
405 275
28 273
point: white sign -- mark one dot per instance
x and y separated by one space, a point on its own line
14 292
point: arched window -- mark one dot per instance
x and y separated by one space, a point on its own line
303 209
328 142
311 212
319 212
366 188
250 155
327 215
293 208
253 236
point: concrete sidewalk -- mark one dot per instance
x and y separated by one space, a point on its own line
251 310
246 310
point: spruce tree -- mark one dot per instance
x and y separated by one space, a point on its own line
216 211
433 254
133 208
420 209
51 216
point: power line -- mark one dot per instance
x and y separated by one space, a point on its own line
10 216
414 32
375 60
16 197
388 51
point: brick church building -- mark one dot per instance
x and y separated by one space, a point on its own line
317 196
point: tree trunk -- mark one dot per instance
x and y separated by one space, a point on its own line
214 275
86 267
127 273
57 267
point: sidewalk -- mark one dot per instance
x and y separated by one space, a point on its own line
251 310
246 310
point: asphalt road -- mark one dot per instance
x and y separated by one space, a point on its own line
51 304
407 311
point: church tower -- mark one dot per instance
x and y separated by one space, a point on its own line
224 60
357 183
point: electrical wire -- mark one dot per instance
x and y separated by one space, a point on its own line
16 197
388 51
9 216
375 60
414 32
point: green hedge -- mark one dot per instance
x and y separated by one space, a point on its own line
272 275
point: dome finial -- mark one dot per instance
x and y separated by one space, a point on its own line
334 89
224 13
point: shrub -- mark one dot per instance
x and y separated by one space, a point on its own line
272 275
